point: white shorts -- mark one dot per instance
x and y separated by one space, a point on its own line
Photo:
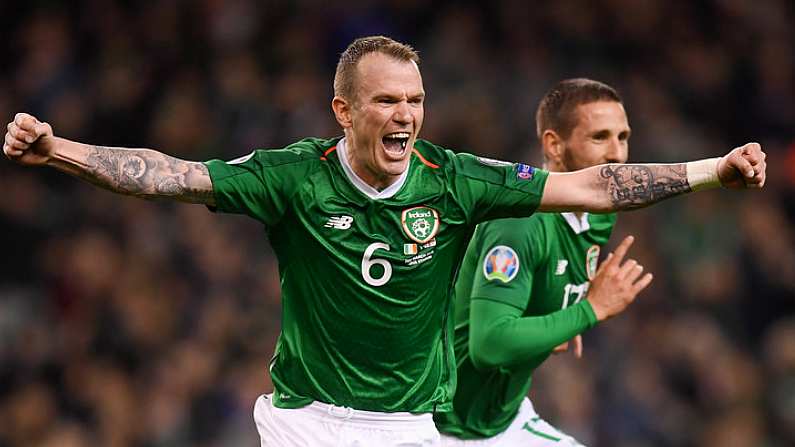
319 424
526 430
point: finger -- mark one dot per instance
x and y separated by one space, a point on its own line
634 274
578 346
760 169
753 157
42 129
759 176
15 143
642 283
20 134
626 269
561 348
752 148
621 250
26 122
602 265
11 152
742 165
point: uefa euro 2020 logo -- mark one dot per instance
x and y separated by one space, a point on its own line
501 263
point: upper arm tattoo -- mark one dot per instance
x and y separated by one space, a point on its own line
148 173
635 186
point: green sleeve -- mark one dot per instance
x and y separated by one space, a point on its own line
489 189
499 334
260 184
508 251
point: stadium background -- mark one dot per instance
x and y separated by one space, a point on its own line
133 323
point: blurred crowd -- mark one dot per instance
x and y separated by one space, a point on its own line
149 324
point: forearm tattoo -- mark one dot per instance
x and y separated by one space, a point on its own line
147 173
636 186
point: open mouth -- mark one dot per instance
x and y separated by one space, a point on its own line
395 143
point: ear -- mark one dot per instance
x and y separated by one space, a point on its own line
342 111
552 144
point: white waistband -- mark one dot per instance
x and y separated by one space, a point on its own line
352 414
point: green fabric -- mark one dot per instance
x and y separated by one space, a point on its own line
507 325
346 338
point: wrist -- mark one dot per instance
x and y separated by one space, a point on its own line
703 174
66 153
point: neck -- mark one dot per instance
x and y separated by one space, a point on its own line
379 181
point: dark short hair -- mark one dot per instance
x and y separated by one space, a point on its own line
345 76
556 110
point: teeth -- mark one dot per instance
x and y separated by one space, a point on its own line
398 135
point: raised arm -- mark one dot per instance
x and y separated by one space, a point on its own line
137 172
617 187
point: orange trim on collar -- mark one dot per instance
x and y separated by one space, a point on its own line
423 160
328 151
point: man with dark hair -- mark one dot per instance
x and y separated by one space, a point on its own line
368 230
508 324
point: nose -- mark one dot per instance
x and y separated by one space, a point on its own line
402 113
616 151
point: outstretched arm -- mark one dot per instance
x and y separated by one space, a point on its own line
617 187
137 172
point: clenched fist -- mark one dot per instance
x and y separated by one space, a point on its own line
743 167
28 141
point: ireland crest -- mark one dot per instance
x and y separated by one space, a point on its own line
591 261
420 223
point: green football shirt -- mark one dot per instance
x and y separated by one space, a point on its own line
540 265
367 276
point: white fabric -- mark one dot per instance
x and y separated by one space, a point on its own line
526 430
361 185
579 225
321 425
703 174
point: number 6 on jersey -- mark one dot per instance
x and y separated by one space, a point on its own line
368 262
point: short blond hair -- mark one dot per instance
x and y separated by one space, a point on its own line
345 76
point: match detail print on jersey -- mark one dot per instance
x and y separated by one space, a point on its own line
420 223
501 263
591 261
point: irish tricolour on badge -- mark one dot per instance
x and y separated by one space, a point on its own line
501 263
420 223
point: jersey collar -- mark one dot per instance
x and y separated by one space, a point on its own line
580 225
360 184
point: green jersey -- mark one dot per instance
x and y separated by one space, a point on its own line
538 265
366 275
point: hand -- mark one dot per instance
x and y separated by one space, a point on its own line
616 285
743 167
28 141
564 347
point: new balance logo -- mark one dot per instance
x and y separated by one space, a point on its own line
561 269
339 222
